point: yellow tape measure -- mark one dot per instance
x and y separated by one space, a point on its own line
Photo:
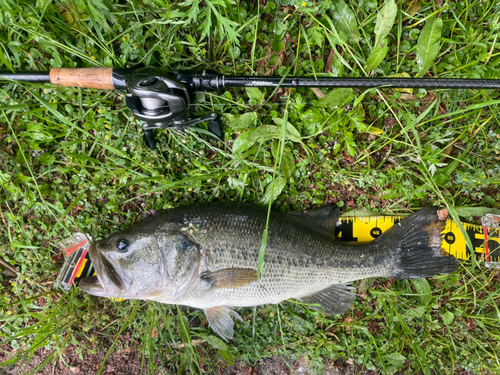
366 229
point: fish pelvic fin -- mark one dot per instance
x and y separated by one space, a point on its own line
419 245
335 299
230 278
219 318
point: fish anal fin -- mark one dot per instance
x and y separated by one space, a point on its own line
335 299
230 278
219 318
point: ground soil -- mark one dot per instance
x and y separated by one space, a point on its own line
120 364
130 362
280 366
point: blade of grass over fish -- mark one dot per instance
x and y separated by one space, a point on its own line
456 219
262 251
276 173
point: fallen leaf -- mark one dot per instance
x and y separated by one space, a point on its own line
413 9
320 94
407 97
446 152
471 324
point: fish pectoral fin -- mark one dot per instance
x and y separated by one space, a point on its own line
230 278
219 318
335 299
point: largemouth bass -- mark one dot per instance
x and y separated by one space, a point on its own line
206 257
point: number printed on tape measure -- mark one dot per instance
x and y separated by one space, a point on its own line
366 229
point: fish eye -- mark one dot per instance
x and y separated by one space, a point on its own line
122 244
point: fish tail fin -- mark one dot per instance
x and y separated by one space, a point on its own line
419 245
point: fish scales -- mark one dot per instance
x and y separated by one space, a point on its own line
206 257
294 253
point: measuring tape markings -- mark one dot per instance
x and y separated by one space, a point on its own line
486 241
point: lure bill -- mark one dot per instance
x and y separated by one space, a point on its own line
485 239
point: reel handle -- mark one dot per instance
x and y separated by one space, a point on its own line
149 138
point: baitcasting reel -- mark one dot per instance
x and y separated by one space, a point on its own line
162 101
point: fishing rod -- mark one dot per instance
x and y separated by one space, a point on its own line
164 99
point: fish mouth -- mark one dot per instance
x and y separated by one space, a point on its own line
107 282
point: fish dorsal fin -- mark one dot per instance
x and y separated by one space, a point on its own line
335 299
230 278
219 318
150 213
325 217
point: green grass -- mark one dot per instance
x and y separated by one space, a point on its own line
73 159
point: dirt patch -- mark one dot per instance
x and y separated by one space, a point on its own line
286 366
125 363
130 362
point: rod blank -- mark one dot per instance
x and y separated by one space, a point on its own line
337 82
33 77
102 78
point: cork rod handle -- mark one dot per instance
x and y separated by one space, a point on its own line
94 78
